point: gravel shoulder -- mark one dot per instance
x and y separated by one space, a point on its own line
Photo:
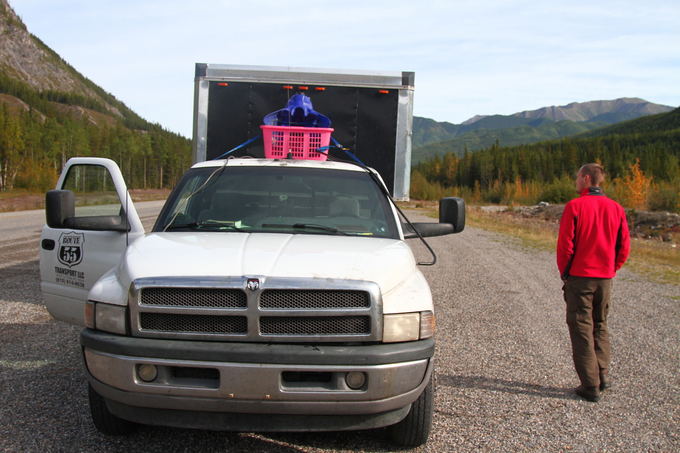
504 373
508 377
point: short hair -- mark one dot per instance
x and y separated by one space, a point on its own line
595 171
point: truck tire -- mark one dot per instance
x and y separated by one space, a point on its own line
103 419
414 430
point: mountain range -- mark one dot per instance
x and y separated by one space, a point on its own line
50 111
641 157
432 138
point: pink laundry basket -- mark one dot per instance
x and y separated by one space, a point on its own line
301 142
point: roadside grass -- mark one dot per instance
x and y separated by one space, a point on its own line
534 233
18 200
659 261
21 200
14 193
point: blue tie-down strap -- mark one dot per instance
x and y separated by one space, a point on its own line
246 143
337 145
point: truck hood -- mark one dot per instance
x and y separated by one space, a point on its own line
386 262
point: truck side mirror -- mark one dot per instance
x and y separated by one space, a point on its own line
451 220
59 206
452 210
60 213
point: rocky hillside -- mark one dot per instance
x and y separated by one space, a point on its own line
23 57
50 112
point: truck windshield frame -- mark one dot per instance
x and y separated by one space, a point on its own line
290 200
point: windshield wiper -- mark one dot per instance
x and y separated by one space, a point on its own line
304 226
216 224
179 226
314 226
210 224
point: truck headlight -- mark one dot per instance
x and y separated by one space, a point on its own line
408 326
107 317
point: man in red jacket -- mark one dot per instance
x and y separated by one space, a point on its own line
592 245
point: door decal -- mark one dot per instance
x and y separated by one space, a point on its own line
70 251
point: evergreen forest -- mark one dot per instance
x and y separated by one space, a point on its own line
641 157
41 130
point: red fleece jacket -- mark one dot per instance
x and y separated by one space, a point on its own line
594 240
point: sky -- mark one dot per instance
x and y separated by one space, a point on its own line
470 57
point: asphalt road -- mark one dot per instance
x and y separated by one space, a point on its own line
504 375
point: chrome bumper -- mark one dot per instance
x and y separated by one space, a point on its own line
298 380
244 387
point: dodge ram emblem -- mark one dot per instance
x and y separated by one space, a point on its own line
253 284
70 251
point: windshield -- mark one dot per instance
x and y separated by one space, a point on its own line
278 199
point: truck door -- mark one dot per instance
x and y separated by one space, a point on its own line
90 239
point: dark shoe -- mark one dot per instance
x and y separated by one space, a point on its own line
591 394
605 383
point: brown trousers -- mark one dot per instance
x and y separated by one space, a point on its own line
588 302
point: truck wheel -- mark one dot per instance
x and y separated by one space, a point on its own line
414 430
105 421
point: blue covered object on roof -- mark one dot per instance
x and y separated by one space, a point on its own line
298 112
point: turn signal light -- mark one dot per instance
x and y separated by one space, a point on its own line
89 314
427 324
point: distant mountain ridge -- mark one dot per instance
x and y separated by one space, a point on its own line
592 111
432 138
520 135
660 122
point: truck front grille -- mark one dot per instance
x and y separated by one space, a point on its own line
311 299
276 310
305 326
195 297
170 322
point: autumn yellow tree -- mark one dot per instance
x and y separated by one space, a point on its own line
637 186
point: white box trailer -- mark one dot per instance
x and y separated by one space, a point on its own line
371 112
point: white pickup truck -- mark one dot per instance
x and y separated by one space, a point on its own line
267 287
271 295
